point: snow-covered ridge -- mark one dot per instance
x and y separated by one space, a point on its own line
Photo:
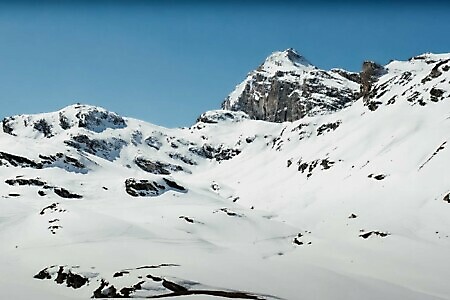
90 118
285 61
421 80
216 116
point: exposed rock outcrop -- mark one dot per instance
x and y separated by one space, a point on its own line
218 153
63 161
98 120
156 167
105 148
7 159
148 188
370 73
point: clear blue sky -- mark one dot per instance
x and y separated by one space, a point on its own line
167 62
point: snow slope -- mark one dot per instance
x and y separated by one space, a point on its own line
348 205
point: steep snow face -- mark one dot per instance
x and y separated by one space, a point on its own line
353 204
421 80
285 61
286 87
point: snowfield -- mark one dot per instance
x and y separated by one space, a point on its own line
352 204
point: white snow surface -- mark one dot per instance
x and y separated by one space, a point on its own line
276 210
285 61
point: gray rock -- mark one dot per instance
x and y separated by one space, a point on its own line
370 73
105 148
98 120
156 167
147 188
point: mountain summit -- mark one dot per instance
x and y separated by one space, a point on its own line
287 60
286 87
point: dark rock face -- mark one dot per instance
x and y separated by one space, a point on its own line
108 149
43 274
156 167
309 167
60 160
8 159
355 77
289 101
153 142
296 90
136 137
43 127
328 127
370 73
186 160
62 192
97 120
447 198
187 219
377 177
23 181
103 292
366 235
436 94
174 185
142 188
435 72
230 213
120 273
147 188
51 207
219 154
64 121
7 126
63 275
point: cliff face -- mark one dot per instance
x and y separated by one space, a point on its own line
286 87
370 73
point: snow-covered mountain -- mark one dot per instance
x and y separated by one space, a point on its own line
287 87
349 202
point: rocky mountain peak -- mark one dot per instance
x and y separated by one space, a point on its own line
370 73
287 87
287 60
